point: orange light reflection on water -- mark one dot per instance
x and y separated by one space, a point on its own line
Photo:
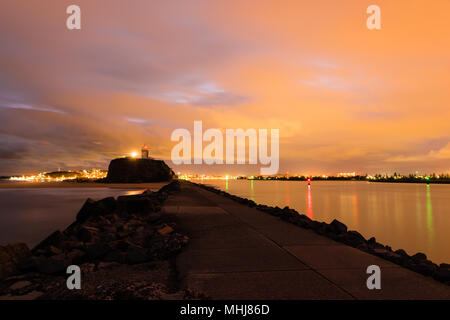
309 210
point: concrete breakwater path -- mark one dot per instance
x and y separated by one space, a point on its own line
238 252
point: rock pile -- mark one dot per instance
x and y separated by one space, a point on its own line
11 256
126 230
337 231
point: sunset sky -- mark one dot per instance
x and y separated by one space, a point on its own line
344 98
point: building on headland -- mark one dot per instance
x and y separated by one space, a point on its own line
144 152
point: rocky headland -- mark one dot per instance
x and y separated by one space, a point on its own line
131 170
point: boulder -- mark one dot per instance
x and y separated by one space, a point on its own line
50 265
351 238
136 254
54 240
76 256
86 234
165 230
97 251
136 204
93 209
338 227
389 255
442 274
130 170
11 256
419 257
115 256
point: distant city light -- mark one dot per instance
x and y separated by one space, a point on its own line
59 176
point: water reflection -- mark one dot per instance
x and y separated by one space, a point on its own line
405 216
309 210
418 208
355 210
133 192
429 215
288 194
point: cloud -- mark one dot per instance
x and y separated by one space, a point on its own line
441 154
29 107
341 96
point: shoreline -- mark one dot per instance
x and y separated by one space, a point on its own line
337 231
63 184
334 180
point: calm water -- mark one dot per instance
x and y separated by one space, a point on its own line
29 215
413 217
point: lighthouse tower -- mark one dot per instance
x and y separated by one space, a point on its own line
144 152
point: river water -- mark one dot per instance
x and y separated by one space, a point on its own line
30 214
413 217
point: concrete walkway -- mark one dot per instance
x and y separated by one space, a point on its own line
237 252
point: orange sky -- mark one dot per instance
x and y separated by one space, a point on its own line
344 98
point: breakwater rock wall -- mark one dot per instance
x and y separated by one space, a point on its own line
126 230
337 231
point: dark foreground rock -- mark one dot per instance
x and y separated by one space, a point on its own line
122 233
337 231
130 170
11 256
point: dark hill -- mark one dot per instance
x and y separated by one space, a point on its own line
130 170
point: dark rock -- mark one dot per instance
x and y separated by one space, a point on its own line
419 257
442 274
93 209
76 256
88 208
69 245
402 253
170 188
154 217
351 238
363 247
115 256
121 245
97 251
426 267
86 234
108 237
136 254
51 265
136 204
55 239
389 255
338 227
11 257
107 205
129 170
